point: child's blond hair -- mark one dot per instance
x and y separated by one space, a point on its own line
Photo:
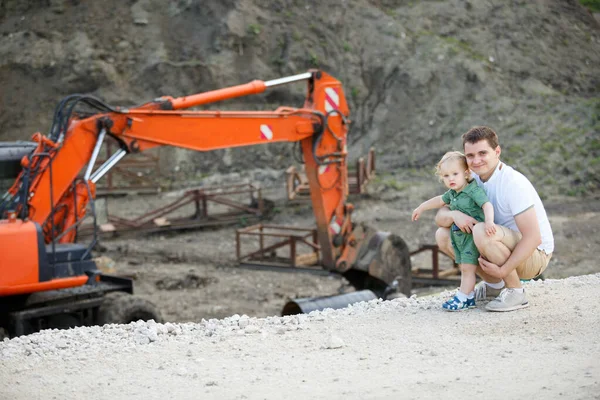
451 156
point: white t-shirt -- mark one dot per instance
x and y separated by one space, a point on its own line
511 193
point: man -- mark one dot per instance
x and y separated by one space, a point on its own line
523 243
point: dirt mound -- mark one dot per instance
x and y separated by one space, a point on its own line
416 74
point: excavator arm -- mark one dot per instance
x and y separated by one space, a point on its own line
49 192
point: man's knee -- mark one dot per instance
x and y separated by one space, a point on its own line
491 246
480 237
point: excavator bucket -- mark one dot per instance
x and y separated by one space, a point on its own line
382 263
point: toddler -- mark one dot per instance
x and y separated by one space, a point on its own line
463 195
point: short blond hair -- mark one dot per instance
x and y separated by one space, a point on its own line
452 156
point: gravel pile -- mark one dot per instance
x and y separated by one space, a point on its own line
90 340
54 343
404 348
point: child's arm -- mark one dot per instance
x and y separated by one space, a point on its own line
430 204
488 212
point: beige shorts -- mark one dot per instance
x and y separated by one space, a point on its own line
535 264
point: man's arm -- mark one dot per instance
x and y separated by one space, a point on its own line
446 217
529 228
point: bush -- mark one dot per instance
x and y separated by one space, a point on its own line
593 5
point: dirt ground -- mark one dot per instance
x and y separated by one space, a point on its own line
414 75
193 275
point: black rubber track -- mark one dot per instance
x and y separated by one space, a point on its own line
123 308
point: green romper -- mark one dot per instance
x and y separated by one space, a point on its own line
468 201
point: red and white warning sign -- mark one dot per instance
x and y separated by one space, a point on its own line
266 133
335 226
332 99
323 168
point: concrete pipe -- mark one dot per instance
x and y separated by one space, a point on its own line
306 305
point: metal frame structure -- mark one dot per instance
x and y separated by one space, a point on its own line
131 174
434 276
298 187
289 239
157 220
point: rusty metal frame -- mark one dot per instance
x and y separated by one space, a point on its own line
297 182
132 170
156 220
365 171
265 257
434 276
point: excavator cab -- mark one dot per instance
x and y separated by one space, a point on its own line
53 285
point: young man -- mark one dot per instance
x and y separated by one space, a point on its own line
523 243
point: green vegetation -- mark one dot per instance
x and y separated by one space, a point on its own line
455 46
254 29
558 148
313 59
389 181
394 184
593 5
515 149
521 132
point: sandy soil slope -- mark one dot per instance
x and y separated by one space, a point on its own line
404 348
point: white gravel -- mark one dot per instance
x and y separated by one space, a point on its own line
405 348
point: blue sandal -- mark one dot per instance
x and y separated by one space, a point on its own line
454 304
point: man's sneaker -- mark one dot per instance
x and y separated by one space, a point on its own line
454 304
508 300
483 291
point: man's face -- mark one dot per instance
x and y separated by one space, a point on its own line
481 158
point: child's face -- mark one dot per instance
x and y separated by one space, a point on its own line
454 175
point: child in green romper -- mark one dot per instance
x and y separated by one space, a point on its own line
464 195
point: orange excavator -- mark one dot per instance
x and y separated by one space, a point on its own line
49 280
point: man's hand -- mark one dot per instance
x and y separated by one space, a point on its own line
490 228
490 268
463 221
